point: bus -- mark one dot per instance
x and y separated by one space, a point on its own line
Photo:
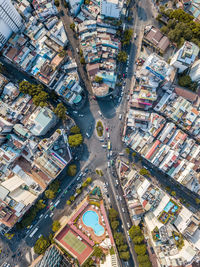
34 231
108 145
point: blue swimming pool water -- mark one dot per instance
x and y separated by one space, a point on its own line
168 206
91 219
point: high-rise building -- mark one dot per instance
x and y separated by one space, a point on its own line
10 20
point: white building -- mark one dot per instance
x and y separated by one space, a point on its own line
185 56
110 8
195 71
10 21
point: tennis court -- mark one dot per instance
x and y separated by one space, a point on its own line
74 242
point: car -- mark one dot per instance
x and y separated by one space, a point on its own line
101 140
87 134
128 224
79 177
107 129
119 100
128 97
117 197
108 164
120 198
107 183
51 215
116 182
75 112
120 116
127 232
104 146
41 216
108 135
108 155
123 209
39 235
46 216
81 115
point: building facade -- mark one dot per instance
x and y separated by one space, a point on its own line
10 21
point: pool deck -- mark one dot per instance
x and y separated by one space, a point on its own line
89 230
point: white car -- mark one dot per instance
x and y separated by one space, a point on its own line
87 134
100 113
123 209
128 224
51 215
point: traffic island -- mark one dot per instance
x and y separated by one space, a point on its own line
99 128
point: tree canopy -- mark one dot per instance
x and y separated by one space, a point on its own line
72 169
122 56
75 140
75 130
60 111
56 226
98 79
41 245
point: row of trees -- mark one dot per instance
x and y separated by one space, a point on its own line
180 26
30 216
75 138
43 243
139 246
85 183
50 193
40 97
122 247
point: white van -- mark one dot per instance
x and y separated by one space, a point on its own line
108 135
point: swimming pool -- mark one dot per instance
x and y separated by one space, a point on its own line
91 219
169 206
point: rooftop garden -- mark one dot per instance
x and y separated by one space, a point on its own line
169 212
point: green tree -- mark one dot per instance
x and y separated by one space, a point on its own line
54 186
49 194
56 2
75 140
72 169
89 180
98 79
133 154
122 56
142 258
114 225
124 255
145 264
72 26
72 198
113 214
62 53
127 151
25 87
40 99
135 231
68 202
138 239
197 200
40 204
78 191
123 248
60 111
143 171
82 61
184 81
75 130
98 252
119 238
56 226
173 193
87 2
140 249
41 245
